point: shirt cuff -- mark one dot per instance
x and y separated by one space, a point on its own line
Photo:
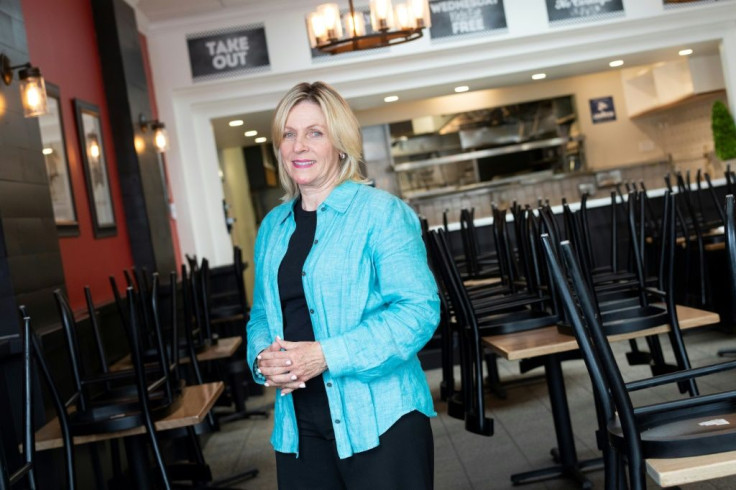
336 355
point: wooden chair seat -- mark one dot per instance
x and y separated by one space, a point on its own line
120 410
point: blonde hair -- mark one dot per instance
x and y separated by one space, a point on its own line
342 128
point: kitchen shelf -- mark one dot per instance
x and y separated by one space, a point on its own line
473 155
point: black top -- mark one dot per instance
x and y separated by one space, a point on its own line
297 323
294 307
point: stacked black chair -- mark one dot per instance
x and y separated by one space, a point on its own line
730 237
670 429
25 474
524 309
479 265
20 469
234 369
97 408
626 304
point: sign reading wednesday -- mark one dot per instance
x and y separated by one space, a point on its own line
226 53
559 10
453 18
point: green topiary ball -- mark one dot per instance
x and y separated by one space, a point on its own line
724 131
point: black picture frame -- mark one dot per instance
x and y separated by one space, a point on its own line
53 139
94 162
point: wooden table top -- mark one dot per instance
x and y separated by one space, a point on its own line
710 247
680 471
224 348
547 340
196 402
482 282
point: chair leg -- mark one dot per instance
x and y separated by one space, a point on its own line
494 380
637 357
235 378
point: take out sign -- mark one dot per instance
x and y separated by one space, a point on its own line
229 52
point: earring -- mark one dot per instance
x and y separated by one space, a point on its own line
342 156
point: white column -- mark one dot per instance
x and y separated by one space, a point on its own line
728 60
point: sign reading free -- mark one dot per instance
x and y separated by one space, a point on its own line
229 52
455 18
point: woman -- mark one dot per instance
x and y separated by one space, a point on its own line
343 301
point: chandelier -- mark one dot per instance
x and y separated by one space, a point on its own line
390 26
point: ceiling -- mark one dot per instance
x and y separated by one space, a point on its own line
162 10
226 136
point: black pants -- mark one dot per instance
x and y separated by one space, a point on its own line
404 459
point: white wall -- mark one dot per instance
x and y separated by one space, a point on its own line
529 45
237 194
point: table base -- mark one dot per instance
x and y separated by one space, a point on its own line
574 473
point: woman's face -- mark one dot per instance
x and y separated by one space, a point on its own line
307 153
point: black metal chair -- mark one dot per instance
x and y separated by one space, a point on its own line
531 308
20 469
671 429
23 468
232 370
478 264
730 238
638 305
97 408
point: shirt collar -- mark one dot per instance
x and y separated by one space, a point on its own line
341 196
339 199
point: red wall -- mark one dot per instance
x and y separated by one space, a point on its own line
62 43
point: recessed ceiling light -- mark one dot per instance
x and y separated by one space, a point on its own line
462 88
391 98
47 151
250 133
539 76
260 139
615 63
685 52
235 123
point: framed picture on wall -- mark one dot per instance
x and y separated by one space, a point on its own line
92 149
57 165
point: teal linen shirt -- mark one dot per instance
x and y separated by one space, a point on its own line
374 305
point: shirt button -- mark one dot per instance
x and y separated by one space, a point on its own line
304 273
329 385
316 242
337 421
311 311
324 208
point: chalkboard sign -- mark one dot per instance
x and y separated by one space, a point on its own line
228 52
561 10
675 3
456 18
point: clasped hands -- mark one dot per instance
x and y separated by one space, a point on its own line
289 365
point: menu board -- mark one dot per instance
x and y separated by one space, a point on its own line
459 18
561 10
228 52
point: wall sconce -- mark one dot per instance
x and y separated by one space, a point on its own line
32 86
160 136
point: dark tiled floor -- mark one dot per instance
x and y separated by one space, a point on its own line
523 437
